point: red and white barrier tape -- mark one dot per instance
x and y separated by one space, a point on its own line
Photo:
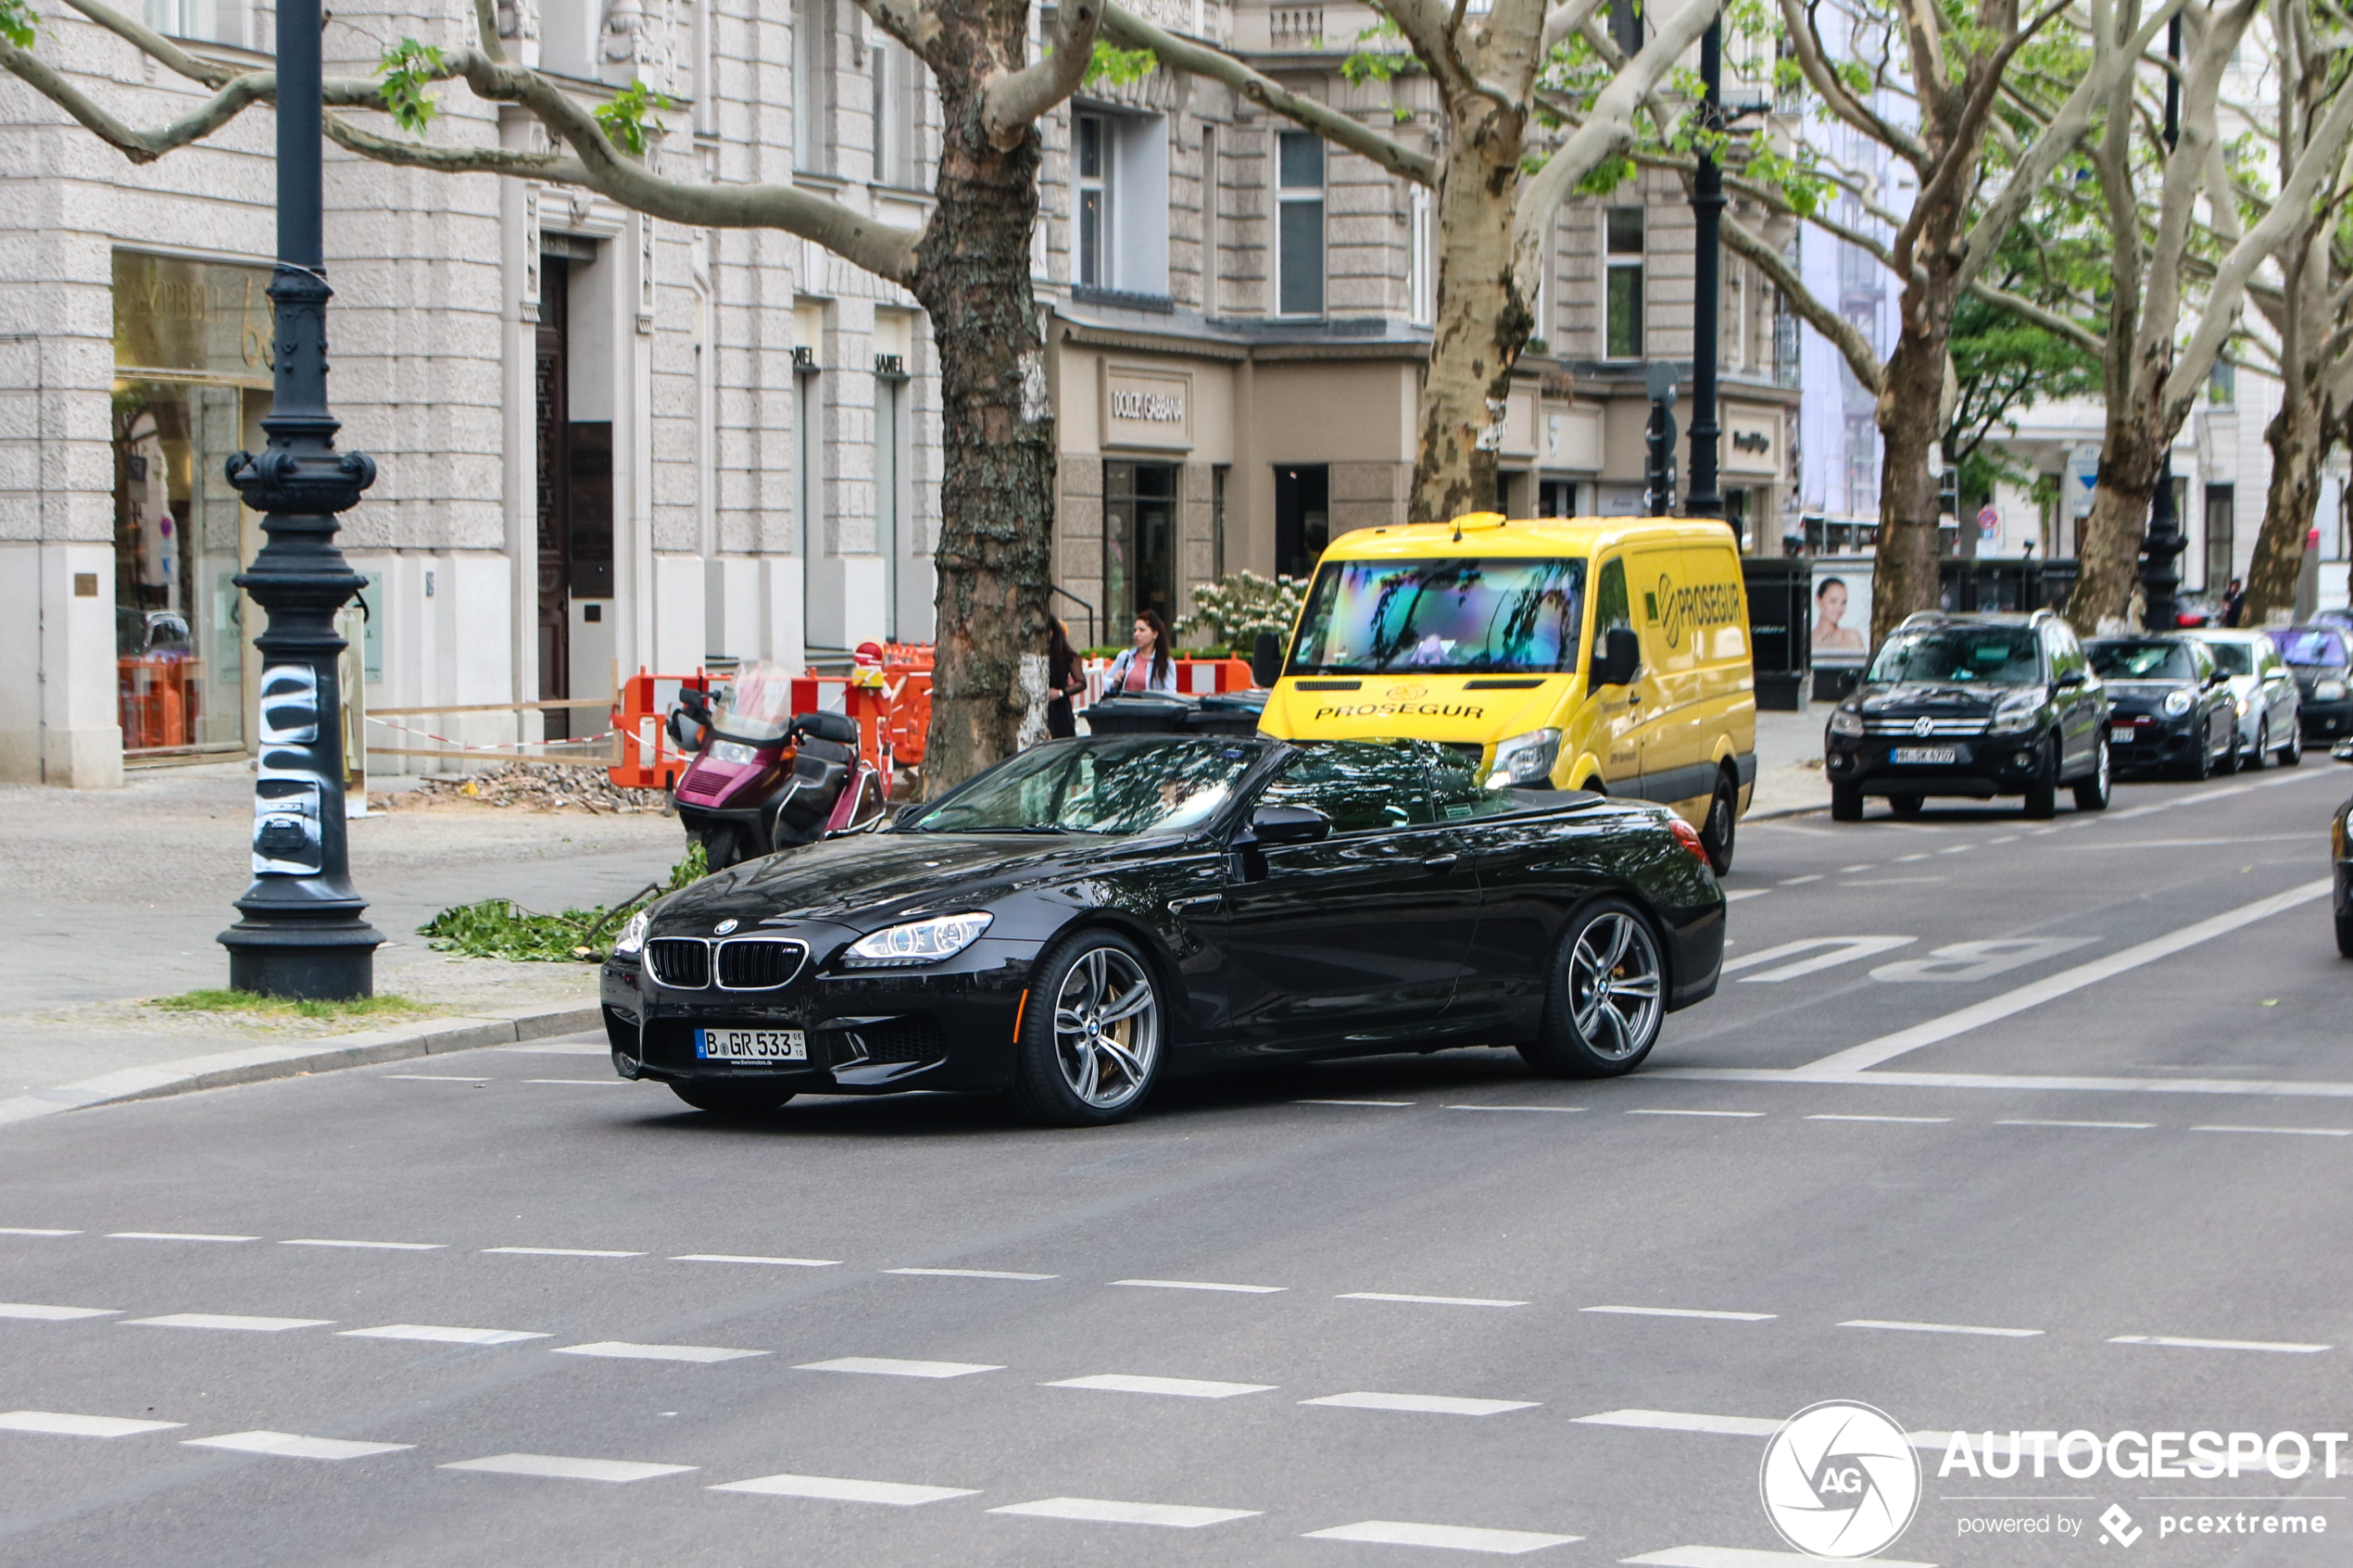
494 746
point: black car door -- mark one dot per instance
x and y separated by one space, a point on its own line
1358 939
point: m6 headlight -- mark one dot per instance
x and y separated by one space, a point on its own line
917 942
2177 703
1525 759
633 935
2328 691
2017 714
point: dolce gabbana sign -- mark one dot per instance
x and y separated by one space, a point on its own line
1152 408
1752 445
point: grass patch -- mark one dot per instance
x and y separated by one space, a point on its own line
500 928
287 1007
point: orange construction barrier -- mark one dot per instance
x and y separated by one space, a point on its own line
643 755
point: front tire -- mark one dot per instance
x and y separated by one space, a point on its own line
2292 752
1091 1034
1723 816
2260 758
732 1099
2041 797
2092 790
2227 763
1846 803
2344 935
1607 995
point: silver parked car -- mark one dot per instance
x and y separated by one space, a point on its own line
2263 688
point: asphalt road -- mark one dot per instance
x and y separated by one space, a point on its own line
1998 1126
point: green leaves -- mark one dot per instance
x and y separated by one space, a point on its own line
1114 66
17 22
1380 56
630 114
407 69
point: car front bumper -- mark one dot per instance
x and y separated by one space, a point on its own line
2158 744
2327 721
1983 766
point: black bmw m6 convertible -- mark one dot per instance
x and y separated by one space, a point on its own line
1092 915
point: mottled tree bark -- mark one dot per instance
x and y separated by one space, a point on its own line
2297 436
1906 577
1483 322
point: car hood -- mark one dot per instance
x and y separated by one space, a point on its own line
1935 698
870 879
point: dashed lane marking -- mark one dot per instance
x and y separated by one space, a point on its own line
1651 1111
370 1246
557 1468
288 1445
1748 1557
1551 1110
1684 1312
1427 1300
559 1252
1918 1120
1801 881
172 1235
1447 1537
1204 1285
2114 1126
592 1083
972 1273
1736 895
836 1489
1422 1404
53 1314
885 1366
1941 1328
1102 1510
57 1423
21 1230
1177 1387
437 1078
622 1350
2289 1132
1369 1104
2177 1343
228 1321
776 1262
434 1333
1684 1421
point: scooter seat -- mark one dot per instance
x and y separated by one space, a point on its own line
839 728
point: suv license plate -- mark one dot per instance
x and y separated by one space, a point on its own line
2121 735
751 1045
1944 754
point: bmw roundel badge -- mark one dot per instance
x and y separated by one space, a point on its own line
724 927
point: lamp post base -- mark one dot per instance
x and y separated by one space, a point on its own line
328 963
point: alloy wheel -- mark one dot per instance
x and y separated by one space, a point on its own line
1613 986
1106 1028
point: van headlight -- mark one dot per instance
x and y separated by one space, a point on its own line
917 942
633 935
2017 713
1845 721
1527 758
2328 691
2177 703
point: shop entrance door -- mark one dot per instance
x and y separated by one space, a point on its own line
1303 516
575 499
1139 544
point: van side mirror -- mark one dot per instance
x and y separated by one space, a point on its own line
1265 659
1620 657
1271 825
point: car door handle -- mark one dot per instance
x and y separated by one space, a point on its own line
1441 862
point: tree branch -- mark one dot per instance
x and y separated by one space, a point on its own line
1013 100
1852 345
1563 19
149 41
553 168
1813 59
2049 321
140 147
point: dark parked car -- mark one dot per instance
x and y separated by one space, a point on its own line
2170 707
1975 705
2320 657
1091 915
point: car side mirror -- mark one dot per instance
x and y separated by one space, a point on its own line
2215 679
1272 825
2068 678
1265 659
1621 656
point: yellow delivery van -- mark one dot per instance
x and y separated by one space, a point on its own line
1608 654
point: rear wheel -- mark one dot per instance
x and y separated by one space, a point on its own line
2260 758
732 1099
1723 815
2041 797
2092 790
721 846
2202 765
1904 805
1846 803
1607 994
2291 751
1091 1042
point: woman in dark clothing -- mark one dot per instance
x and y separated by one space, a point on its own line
1066 679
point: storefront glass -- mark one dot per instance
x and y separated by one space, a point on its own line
192 383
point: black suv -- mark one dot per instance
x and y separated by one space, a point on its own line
1975 705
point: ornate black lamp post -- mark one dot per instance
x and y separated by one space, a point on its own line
2163 544
301 935
1707 208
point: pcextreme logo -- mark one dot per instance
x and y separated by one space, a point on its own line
1840 1480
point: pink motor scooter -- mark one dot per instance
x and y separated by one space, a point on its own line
764 779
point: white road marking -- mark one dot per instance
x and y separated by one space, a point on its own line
2181 1344
1423 1404
1554 1110
2278 1089
1941 1328
1684 1421
834 1488
1830 1116
1455 1538
1178 1387
592 1083
434 1334
53 1314
1684 1312
1203 1284
1648 1112
2303 1132
575 1048
1371 1104
436 1078
1748 1557
20 1230
2202 796
1968 962
56 1423
1958 849
229 1321
1736 895
288 1445
2189 842
1099 1511
560 1252
884 1366
1427 1300
1871 1053
621 1351
779 1262
2006 838
2035 1122
972 1273
371 1246
1901 859
1843 950
560 1469
1895 881
172 1235
1801 881
1851 871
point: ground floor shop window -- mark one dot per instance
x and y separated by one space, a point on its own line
1139 543
1303 516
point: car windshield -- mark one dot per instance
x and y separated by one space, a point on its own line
1124 784
1458 616
2142 662
2312 646
1994 655
758 703
2233 659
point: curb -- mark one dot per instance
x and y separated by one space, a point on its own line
501 1026
1779 811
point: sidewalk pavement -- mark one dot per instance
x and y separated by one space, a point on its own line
1789 763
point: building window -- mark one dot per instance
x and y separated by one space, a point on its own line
210 21
1302 517
2222 385
1421 256
1212 237
1622 297
2221 543
896 94
1092 157
1298 223
1140 539
813 79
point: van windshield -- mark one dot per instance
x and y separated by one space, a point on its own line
1458 616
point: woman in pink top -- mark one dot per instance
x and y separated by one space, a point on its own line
1144 666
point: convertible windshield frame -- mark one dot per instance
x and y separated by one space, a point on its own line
1126 786
1444 615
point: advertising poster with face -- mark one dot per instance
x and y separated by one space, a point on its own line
1841 612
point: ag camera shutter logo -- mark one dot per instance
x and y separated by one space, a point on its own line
1840 1480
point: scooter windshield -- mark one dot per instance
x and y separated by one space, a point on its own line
759 705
